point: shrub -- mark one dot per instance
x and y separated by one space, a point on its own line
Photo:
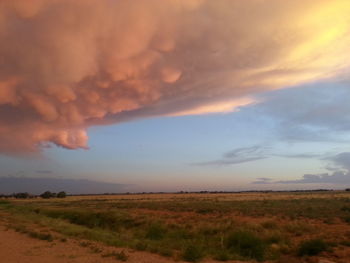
4 202
41 236
222 255
21 195
269 225
61 194
345 243
140 246
192 253
347 219
345 208
165 252
47 195
106 220
312 247
246 244
155 232
122 256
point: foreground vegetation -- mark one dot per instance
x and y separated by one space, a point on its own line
192 227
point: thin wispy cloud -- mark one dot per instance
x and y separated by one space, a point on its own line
263 180
334 178
255 153
44 171
300 155
238 156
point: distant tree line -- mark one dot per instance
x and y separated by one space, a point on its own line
44 195
48 195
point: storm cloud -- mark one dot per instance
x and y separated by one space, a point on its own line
68 65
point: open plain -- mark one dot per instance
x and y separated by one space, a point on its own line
281 227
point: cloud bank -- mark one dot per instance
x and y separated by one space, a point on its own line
340 174
68 65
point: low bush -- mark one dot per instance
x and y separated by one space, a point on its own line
269 224
41 236
192 253
122 256
106 220
61 194
312 247
347 219
246 244
222 255
155 231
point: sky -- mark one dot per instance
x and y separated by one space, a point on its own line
176 95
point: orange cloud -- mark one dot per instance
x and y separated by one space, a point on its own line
219 107
66 65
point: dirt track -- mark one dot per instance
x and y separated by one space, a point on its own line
19 248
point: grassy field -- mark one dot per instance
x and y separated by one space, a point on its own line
273 227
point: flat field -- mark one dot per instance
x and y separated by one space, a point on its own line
284 227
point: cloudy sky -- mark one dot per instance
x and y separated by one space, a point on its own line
176 95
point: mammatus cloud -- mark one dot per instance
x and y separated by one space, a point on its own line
68 65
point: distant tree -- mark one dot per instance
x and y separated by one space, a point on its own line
61 194
21 195
46 195
347 189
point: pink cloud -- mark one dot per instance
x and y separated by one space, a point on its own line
66 65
